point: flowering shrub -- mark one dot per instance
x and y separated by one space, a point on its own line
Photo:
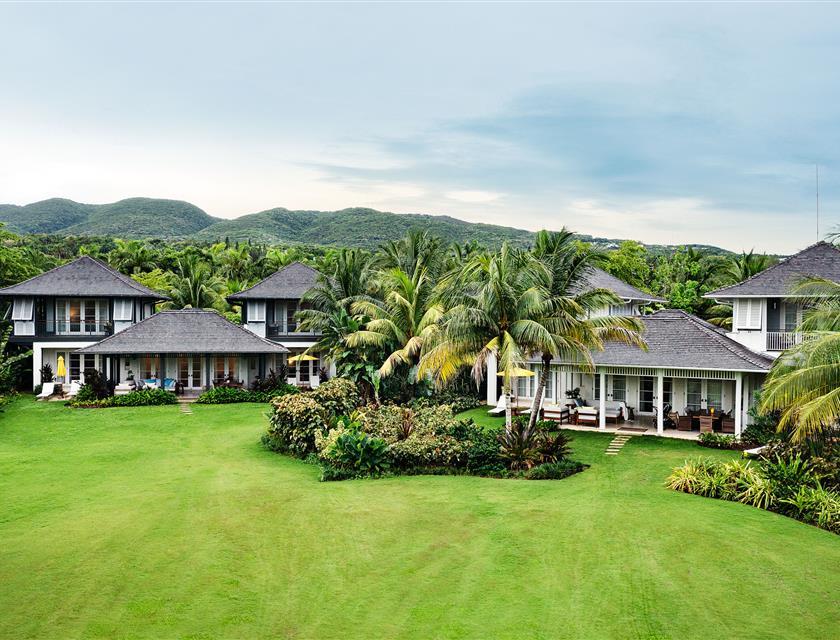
338 397
294 423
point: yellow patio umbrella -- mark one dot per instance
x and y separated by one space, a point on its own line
303 356
60 370
516 372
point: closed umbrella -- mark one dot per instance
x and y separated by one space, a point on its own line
61 370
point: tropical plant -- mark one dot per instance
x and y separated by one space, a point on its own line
403 321
494 307
194 285
9 362
569 313
520 445
555 470
356 451
293 424
132 256
804 383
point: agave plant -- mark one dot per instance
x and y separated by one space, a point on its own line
520 445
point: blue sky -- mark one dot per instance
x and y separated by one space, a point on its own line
663 123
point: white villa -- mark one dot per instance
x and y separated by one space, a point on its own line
692 372
692 376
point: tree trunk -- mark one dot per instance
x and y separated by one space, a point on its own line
545 371
508 408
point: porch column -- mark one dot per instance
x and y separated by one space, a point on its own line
492 392
660 392
602 402
37 363
739 403
207 369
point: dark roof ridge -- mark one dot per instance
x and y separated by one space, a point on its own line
772 267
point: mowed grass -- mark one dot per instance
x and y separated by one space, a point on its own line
145 523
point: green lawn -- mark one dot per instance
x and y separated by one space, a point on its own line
148 523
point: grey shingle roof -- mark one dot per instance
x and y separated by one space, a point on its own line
821 260
600 279
290 282
679 340
184 331
85 276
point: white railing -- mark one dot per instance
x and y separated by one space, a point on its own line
781 340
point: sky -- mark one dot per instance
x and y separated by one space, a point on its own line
670 124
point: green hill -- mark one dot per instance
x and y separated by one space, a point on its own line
353 227
175 219
130 218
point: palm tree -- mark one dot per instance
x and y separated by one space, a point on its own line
569 312
402 321
494 307
417 249
746 265
194 285
804 383
132 256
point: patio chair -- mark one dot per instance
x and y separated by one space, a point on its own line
169 384
587 415
47 390
500 407
75 385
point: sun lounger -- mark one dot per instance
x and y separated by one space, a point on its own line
500 407
47 390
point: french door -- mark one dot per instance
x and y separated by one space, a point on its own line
189 371
647 387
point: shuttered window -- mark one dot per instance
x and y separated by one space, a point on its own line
748 313
256 311
23 309
123 309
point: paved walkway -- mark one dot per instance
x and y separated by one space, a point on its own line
614 447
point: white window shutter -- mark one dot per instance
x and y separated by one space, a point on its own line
256 311
23 309
755 314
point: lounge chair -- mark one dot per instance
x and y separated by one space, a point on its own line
169 384
75 385
587 415
500 407
47 390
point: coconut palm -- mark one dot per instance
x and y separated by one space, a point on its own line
804 382
402 321
132 256
569 313
494 307
417 249
194 285
746 265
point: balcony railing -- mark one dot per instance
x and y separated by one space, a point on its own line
278 329
72 328
782 340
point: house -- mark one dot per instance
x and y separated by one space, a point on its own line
765 312
689 365
74 306
268 311
194 347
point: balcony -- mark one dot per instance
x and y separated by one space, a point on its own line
782 340
276 330
73 328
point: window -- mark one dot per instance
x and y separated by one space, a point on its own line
184 370
791 317
219 369
596 398
149 366
522 387
714 395
291 310
123 310
23 309
549 387
693 395
668 391
196 370
75 369
748 313
256 311
619 388
647 386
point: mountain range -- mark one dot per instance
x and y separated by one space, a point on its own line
175 219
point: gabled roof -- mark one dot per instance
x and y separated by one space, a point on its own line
679 340
290 282
821 260
84 276
600 279
184 331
